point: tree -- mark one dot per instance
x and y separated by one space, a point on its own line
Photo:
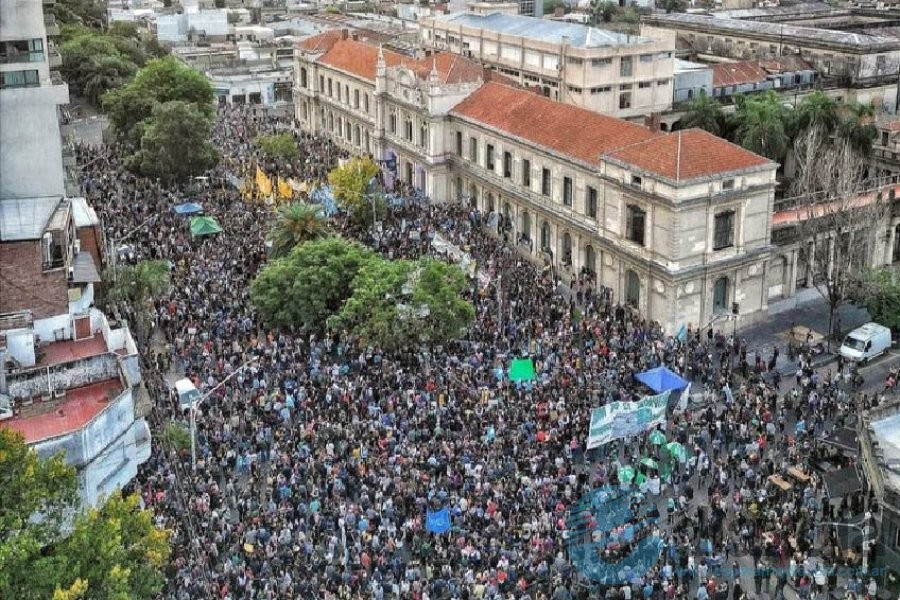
603 10
106 554
671 6
351 185
175 143
879 293
279 146
136 286
161 80
93 65
761 126
83 12
817 110
705 113
858 127
397 304
835 219
310 284
296 223
551 5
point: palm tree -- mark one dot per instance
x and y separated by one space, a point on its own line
816 110
859 128
105 73
761 126
296 223
136 286
704 112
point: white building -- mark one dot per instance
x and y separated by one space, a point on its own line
66 376
203 24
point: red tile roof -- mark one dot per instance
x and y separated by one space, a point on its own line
361 58
738 73
78 409
592 137
567 129
322 42
688 154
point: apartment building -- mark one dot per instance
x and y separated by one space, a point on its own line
603 71
66 376
675 224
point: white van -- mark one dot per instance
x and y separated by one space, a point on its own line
188 394
866 342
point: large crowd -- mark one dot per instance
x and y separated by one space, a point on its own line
318 461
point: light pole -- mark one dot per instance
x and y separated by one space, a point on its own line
864 528
195 405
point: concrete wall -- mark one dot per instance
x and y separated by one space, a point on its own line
26 286
689 84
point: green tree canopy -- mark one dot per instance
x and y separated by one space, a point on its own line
705 113
816 110
761 125
161 80
858 127
92 64
879 293
350 184
175 143
279 146
310 284
295 223
107 554
401 303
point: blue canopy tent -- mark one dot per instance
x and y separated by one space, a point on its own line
188 208
661 379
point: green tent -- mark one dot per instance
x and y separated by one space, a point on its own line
204 226
626 474
657 438
521 369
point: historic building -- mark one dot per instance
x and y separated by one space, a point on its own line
676 224
605 71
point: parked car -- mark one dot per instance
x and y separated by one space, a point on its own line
866 342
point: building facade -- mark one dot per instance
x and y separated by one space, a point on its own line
607 72
675 224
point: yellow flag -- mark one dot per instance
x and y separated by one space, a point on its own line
263 183
284 189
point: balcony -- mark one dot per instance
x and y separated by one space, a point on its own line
54 58
50 24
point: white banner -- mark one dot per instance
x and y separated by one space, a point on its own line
624 419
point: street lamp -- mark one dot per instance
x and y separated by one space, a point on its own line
199 401
864 528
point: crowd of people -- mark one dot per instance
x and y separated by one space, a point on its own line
319 457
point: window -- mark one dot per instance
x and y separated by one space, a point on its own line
507 165
338 92
567 249
723 235
636 181
662 82
526 173
644 85
601 90
392 123
303 82
590 203
720 295
330 89
459 143
575 90
727 185
321 83
625 100
635 219
22 51
489 157
880 61
423 135
14 79
574 60
366 103
625 67
355 98
473 150
545 182
408 130
601 62
567 191
646 58
347 94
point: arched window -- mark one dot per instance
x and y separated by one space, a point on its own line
632 288
473 196
720 295
489 203
526 226
303 82
567 249
590 259
356 135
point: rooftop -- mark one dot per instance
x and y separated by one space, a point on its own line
685 66
544 30
738 73
775 11
83 214
807 35
56 353
592 138
77 409
26 218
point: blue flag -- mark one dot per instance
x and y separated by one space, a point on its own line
438 522
681 336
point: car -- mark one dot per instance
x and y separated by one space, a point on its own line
866 342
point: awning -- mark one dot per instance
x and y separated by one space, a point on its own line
842 482
844 439
661 379
204 226
83 269
188 208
